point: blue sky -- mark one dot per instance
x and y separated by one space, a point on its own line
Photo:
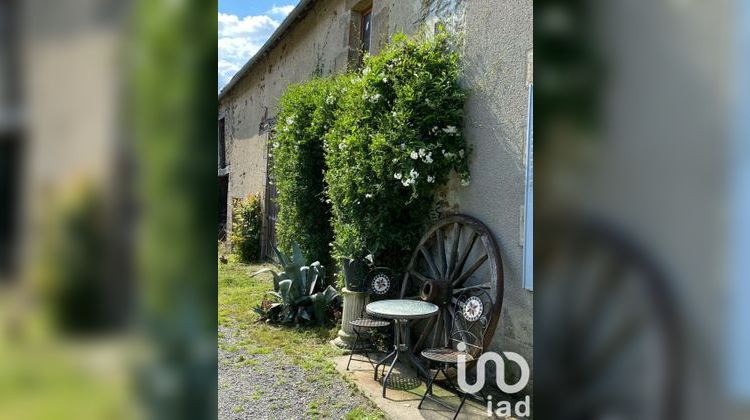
244 25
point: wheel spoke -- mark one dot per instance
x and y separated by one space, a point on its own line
474 267
456 233
420 276
464 255
446 328
441 253
425 332
477 287
436 331
430 262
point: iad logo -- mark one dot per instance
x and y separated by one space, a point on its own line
503 407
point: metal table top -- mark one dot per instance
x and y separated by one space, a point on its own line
402 309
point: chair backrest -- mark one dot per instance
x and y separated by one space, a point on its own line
382 283
471 314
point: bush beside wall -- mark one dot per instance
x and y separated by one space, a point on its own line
307 112
396 138
246 228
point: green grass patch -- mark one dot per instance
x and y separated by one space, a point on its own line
308 348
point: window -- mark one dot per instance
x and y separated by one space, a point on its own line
222 145
366 27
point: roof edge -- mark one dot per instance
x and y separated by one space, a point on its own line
277 35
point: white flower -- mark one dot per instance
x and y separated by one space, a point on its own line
394 113
414 155
449 155
461 152
290 120
368 195
428 158
366 71
397 175
434 130
374 98
329 99
395 160
414 174
275 145
451 129
342 146
421 152
403 146
430 178
465 182
385 80
406 182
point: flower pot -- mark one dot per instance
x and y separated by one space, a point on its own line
354 274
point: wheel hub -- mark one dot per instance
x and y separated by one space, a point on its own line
438 292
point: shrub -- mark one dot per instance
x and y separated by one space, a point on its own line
396 138
300 290
72 272
306 113
246 225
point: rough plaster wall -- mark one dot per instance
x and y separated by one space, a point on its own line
497 39
315 44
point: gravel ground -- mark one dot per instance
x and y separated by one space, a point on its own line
270 386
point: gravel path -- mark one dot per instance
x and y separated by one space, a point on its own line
270 386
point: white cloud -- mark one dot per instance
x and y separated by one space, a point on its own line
239 39
281 10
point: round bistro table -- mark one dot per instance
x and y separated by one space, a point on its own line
401 311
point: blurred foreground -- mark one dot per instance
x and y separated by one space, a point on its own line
107 252
640 155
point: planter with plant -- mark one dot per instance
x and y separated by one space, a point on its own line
299 291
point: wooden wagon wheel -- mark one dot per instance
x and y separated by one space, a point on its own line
458 254
608 333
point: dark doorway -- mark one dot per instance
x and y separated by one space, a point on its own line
223 191
10 158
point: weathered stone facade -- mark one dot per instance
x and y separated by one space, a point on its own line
497 41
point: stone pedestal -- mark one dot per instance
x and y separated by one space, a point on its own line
354 302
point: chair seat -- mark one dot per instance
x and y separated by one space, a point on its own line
445 355
369 323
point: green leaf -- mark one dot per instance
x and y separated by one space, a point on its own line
297 257
276 277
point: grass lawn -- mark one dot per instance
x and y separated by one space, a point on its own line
306 348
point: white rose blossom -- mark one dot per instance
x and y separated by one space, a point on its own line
451 129
397 175
290 120
430 179
414 155
368 195
428 158
461 152
414 174
421 152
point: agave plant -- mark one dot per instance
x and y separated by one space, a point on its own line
295 287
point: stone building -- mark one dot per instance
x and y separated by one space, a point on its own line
327 36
